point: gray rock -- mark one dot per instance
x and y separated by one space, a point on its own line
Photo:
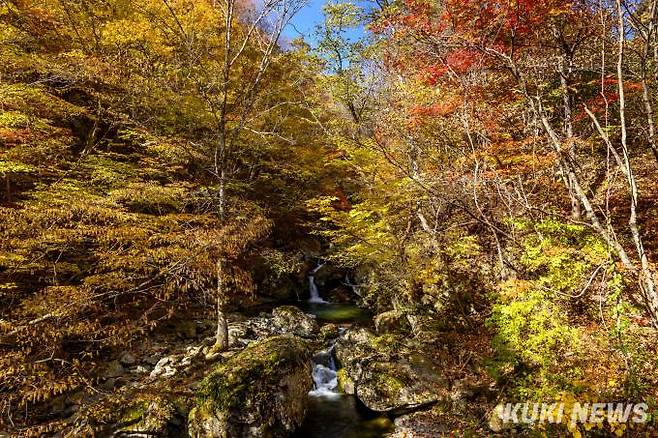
152 359
423 424
385 374
329 331
164 368
290 319
109 384
345 383
141 369
157 417
258 392
191 354
495 419
329 273
236 336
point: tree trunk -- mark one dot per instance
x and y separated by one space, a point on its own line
648 108
565 73
647 283
221 336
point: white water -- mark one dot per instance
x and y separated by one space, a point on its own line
313 288
325 378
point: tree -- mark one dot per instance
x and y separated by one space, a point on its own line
222 67
113 219
462 42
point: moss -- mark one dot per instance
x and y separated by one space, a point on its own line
14 119
388 382
344 380
36 100
387 342
134 413
152 414
261 362
261 391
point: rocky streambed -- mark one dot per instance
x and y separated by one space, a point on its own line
377 380
325 374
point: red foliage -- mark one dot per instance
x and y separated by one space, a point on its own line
439 109
608 96
466 29
517 17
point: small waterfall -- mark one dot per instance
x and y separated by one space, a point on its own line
324 376
313 288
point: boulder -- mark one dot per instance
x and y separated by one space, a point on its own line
258 392
109 384
387 376
394 387
353 346
329 331
393 321
156 417
141 369
329 274
345 383
290 319
496 420
340 294
284 289
152 359
192 353
236 335
164 368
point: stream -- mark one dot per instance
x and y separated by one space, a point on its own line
333 414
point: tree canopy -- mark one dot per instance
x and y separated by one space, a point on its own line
487 166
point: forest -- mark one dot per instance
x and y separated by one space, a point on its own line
394 225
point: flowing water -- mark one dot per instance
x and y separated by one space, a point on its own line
314 293
341 416
333 414
330 312
325 376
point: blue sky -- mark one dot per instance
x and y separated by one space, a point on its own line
307 19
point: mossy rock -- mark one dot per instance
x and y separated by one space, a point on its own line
329 331
385 373
393 386
290 319
354 345
259 392
156 416
345 382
